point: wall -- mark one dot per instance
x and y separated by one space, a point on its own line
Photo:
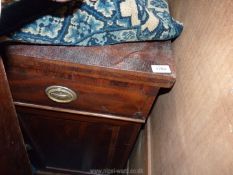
192 126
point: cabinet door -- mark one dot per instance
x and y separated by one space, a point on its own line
13 156
70 142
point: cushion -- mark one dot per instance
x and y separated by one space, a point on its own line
102 22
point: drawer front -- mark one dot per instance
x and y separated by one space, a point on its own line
78 143
80 93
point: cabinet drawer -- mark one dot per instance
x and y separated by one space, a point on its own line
92 94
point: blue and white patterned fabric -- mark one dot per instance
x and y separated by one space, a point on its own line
103 22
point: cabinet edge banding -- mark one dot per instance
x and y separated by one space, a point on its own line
115 117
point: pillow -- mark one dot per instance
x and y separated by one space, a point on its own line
102 22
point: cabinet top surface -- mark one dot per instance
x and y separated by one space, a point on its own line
128 58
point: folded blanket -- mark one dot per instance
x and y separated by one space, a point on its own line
102 22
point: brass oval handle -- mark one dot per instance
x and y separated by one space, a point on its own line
60 94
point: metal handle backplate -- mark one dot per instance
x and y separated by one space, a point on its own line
60 94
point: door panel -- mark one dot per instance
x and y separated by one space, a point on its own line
76 142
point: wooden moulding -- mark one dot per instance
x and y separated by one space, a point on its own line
84 113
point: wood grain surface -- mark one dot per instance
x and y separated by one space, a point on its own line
128 62
116 89
62 141
192 126
13 156
115 79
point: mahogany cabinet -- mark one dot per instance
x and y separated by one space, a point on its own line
81 108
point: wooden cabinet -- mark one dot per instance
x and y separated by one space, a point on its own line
110 91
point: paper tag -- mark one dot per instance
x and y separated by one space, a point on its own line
165 69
